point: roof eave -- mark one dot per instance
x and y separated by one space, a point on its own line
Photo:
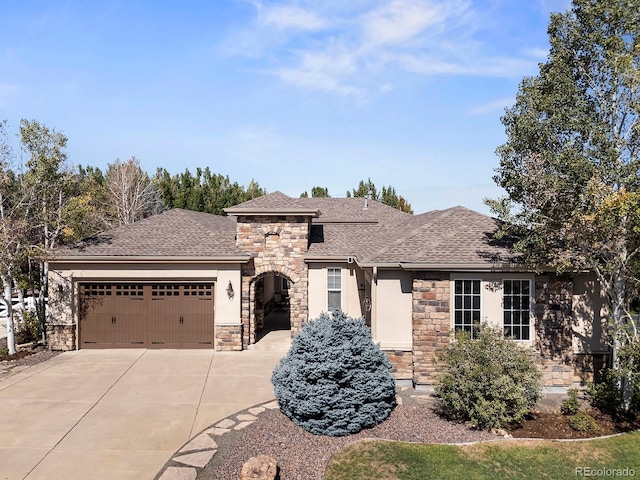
311 212
330 258
230 259
467 267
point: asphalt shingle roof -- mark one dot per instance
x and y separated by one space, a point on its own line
378 234
177 233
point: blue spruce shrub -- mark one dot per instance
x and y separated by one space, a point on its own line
334 380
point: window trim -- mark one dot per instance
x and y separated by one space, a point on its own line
530 309
453 303
339 271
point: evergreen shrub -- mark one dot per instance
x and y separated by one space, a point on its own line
608 394
489 380
334 380
571 405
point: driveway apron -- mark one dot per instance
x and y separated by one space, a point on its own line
121 414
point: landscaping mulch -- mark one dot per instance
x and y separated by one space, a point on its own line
304 456
552 425
301 455
33 355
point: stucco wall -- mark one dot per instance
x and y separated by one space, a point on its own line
352 296
393 304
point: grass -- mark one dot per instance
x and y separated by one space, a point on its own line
512 459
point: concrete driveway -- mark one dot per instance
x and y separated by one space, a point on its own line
121 414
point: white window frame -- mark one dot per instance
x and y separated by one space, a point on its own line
511 310
460 326
334 272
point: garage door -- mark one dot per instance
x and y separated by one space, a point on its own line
122 315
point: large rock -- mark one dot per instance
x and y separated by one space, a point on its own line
262 467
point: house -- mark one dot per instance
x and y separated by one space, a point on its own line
184 279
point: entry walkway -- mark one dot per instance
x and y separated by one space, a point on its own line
107 414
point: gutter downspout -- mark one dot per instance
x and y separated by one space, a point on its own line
374 303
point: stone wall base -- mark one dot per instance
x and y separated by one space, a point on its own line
228 337
402 364
61 337
574 369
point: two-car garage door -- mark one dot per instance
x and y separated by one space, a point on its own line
154 315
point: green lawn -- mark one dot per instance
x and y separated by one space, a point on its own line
505 459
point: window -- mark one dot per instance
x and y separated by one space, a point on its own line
515 305
466 300
334 288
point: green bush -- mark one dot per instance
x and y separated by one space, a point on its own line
583 422
571 405
334 380
606 394
489 381
28 330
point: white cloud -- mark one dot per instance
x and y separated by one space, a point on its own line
357 50
403 20
284 17
318 81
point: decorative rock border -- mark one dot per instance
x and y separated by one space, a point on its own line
199 450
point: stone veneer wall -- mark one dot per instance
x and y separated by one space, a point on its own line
402 364
431 323
60 328
553 306
553 317
61 337
278 245
228 337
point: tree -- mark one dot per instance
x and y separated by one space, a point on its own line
46 184
570 164
13 232
130 191
317 192
364 189
391 198
388 195
204 192
88 209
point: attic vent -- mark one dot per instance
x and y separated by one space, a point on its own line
271 234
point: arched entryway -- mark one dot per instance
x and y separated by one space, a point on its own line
272 304
254 299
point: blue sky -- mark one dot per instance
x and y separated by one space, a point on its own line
290 93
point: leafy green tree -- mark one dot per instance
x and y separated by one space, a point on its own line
47 186
88 209
571 161
391 198
204 192
317 192
14 231
388 196
364 190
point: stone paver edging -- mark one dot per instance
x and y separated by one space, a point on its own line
199 450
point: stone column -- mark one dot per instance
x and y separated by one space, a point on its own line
431 323
553 306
